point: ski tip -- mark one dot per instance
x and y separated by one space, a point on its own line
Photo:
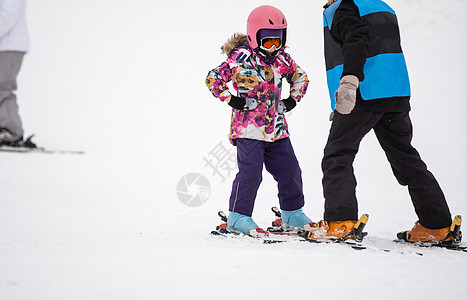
402 236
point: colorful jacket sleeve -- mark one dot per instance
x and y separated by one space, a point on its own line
296 77
218 78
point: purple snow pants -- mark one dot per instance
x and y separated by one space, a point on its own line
279 159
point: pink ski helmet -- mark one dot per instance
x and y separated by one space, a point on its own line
264 17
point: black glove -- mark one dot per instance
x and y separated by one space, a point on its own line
241 103
286 105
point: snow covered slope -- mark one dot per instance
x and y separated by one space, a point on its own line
124 81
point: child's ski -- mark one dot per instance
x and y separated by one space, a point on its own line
264 236
276 227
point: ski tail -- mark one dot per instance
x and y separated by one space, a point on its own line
222 215
222 228
278 218
455 232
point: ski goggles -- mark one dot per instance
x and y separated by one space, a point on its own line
271 43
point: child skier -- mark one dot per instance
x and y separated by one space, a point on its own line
256 64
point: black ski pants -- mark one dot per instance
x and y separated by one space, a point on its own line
394 133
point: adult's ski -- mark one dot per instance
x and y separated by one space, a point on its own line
38 150
450 242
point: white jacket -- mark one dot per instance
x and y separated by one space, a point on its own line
13 30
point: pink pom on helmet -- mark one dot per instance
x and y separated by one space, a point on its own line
264 17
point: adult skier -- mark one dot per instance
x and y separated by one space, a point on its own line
369 89
14 43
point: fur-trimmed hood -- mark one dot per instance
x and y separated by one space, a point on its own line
235 41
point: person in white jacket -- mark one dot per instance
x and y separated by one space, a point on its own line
14 44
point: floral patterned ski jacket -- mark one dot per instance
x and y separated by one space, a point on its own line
254 78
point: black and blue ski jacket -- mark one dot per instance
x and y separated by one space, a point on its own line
361 38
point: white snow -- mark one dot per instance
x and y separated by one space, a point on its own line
124 81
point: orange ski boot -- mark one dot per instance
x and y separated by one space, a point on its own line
420 233
332 230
